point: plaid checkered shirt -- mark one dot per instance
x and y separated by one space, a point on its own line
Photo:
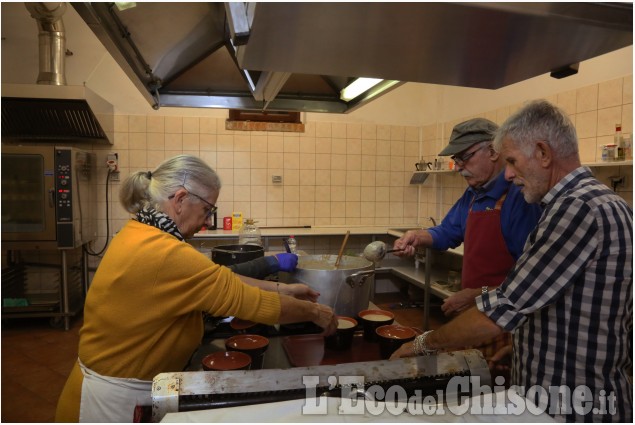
569 301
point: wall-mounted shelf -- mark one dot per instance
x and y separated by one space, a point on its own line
608 163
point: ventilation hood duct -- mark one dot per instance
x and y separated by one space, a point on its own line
50 110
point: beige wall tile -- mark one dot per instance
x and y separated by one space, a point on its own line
275 144
322 177
258 160
353 146
275 194
291 144
225 143
627 119
369 131
191 125
121 123
369 147
209 158
258 193
323 145
627 95
307 145
323 129
353 178
367 193
242 193
291 177
587 124
309 130
174 142
338 146
307 161
208 142
338 130
156 141
338 209
225 160
174 125
137 124
397 132
610 93
383 132
568 101
322 209
275 160
191 142
207 125
291 161
587 99
260 178
242 160
137 141
353 209
353 131
307 178
307 193
588 149
369 162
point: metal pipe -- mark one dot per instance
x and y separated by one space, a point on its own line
52 41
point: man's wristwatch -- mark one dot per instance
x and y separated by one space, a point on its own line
484 290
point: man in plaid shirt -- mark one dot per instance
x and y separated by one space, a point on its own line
569 298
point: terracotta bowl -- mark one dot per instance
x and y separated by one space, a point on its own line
391 337
226 360
342 339
372 319
254 345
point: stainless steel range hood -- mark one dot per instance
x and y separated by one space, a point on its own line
50 110
40 113
298 56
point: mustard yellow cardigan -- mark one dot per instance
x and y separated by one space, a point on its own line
142 314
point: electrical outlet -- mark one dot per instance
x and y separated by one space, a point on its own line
112 162
276 179
114 176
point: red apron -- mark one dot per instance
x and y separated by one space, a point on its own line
486 259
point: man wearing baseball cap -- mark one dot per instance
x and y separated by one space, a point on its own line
491 219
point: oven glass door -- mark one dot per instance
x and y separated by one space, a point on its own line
28 194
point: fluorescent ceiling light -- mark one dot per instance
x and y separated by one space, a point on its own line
123 5
358 87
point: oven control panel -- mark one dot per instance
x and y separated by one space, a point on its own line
63 185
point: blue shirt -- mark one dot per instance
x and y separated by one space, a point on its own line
569 300
518 218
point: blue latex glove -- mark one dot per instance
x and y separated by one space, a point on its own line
287 262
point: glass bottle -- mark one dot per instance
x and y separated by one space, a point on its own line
293 244
249 233
619 142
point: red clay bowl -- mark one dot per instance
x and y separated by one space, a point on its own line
254 345
391 337
226 360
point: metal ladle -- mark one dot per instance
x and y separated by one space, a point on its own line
376 251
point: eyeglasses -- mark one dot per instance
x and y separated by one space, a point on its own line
211 208
461 160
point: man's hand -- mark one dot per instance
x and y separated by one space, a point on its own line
406 350
407 243
459 301
500 362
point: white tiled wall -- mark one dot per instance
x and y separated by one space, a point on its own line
340 173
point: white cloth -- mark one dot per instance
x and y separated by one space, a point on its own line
109 399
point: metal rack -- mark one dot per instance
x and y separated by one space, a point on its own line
45 283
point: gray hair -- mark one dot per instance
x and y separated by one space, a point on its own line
539 120
151 188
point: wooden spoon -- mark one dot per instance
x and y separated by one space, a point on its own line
339 256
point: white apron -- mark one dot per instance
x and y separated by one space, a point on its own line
108 399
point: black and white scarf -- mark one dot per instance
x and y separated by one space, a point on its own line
161 221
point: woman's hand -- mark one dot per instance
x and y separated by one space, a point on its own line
459 301
326 319
299 291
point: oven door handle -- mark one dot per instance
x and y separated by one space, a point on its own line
52 198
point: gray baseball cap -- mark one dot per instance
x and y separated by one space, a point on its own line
469 133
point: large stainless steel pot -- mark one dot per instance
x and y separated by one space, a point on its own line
346 288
